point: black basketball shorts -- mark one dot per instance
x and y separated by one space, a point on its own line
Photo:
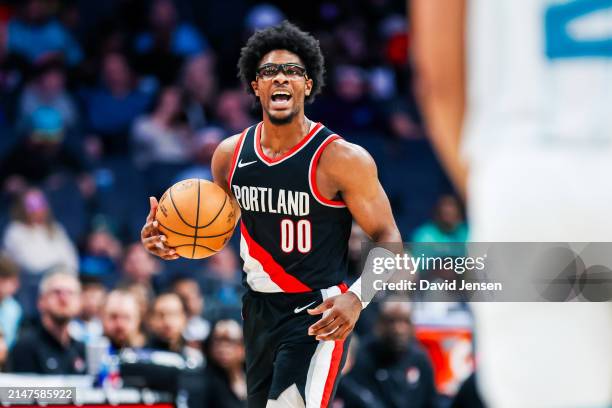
286 367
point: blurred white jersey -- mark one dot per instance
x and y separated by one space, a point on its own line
540 75
538 142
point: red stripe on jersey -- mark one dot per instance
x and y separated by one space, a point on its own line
288 283
235 158
334 367
294 149
313 174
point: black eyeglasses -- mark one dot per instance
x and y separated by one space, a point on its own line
292 71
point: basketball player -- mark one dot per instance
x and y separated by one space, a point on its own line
298 185
536 159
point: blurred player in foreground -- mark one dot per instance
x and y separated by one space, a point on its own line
517 113
298 185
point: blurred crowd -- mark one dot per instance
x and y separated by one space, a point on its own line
103 104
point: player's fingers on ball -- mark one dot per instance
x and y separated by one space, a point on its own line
150 229
156 244
153 204
149 243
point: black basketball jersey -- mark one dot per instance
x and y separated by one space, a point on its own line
293 239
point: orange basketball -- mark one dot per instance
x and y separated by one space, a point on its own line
197 217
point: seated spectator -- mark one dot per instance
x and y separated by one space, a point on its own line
101 255
225 379
110 108
48 90
34 240
45 150
167 322
200 84
203 146
197 328
392 365
87 327
233 111
121 320
10 310
48 347
166 39
167 33
164 135
447 224
348 109
144 296
222 284
34 34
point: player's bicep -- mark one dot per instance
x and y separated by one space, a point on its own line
369 206
362 192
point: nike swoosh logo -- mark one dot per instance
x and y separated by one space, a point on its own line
299 309
241 164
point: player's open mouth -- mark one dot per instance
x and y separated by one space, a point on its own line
280 99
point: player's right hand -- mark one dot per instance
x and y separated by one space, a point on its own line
152 239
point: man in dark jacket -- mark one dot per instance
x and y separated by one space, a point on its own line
392 365
48 348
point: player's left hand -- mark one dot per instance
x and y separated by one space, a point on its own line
342 312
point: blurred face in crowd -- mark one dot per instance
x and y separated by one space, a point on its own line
232 109
138 265
189 291
168 318
102 243
60 298
51 83
394 326
448 212
279 109
8 286
116 73
227 345
121 318
92 299
350 83
224 264
403 126
35 206
143 294
199 79
36 11
163 14
170 103
205 143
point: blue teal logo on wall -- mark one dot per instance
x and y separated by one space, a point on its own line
559 41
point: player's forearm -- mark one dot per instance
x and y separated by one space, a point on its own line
389 235
389 243
438 31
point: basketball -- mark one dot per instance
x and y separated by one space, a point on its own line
197 217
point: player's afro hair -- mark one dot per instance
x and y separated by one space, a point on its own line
285 36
